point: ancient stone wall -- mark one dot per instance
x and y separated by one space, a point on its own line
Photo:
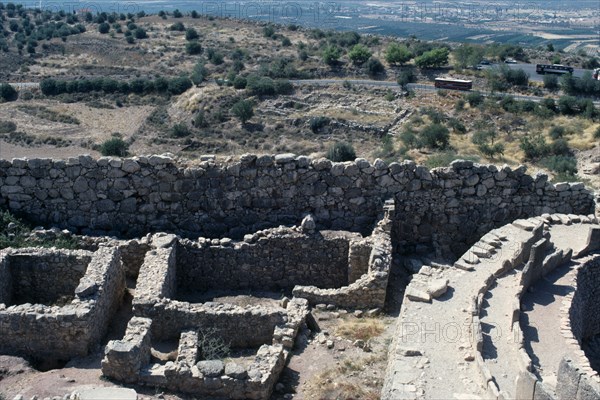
584 312
270 260
449 208
45 278
155 299
453 207
43 331
373 257
5 281
128 359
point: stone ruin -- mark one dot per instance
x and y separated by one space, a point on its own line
350 220
57 304
489 323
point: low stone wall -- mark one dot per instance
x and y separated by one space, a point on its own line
60 333
274 259
580 322
45 277
5 281
124 359
369 290
447 208
132 256
128 360
155 299
584 312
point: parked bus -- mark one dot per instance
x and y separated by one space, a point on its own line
451 83
553 69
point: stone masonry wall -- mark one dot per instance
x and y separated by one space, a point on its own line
55 332
5 281
43 278
270 260
584 313
448 208
154 299
454 207
369 289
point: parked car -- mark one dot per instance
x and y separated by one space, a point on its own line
510 61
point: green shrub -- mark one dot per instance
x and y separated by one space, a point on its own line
341 151
283 86
215 57
260 86
331 55
200 120
240 82
568 105
269 31
193 47
374 67
435 115
435 136
433 59
179 85
534 146
409 138
457 126
140 33
406 76
114 147
191 34
178 26
243 110
7 127
485 143
474 99
597 133
551 82
103 28
180 130
359 54
561 164
317 123
557 132
560 147
397 54
8 93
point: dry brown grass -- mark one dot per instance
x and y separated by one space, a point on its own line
360 329
341 382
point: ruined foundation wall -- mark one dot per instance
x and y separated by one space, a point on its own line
584 313
5 280
279 259
45 278
155 299
64 332
241 327
449 208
